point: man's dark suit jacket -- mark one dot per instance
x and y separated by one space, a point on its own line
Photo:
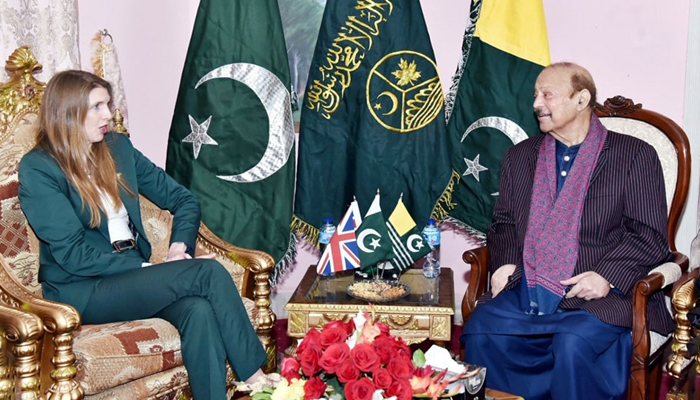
623 227
73 254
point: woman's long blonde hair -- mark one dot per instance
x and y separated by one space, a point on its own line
89 167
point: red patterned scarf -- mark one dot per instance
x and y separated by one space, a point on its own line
552 239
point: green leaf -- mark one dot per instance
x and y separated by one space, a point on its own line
337 387
262 396
418 358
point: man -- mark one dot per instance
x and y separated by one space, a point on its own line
581 215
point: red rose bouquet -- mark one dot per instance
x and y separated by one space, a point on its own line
357 360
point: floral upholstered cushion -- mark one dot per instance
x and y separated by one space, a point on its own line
110 355
18 245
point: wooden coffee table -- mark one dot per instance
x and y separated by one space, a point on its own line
425 313
498 395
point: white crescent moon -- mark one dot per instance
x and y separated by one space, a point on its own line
275 97
411 241
509 128
361 239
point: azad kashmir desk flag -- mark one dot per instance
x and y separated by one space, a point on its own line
489 107
407 242
232 132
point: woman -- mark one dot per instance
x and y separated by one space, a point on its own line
79 190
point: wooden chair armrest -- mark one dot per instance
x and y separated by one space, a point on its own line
683 262
641 339
58 318
23 331
478 258
256 285
256 263
59 322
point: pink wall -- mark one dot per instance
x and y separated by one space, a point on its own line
635 47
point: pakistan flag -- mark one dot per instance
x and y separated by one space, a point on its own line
373 237
232 136
490 102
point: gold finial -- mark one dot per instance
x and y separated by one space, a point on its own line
118 123
22 93
22 62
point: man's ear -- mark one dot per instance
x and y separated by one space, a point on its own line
584 97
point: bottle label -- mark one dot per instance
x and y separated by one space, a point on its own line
324 237
433 238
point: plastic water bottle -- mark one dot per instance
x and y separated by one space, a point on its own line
325 232
431 266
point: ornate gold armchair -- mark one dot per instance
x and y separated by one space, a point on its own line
21 342
671 143
685 299
129 360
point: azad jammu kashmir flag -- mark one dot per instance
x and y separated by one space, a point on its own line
232 132
407 241
373 236
505 48
342 252
372 116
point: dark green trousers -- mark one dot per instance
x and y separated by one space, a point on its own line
200 299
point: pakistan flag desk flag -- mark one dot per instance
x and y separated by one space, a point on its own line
373 237
232 135
490 103
372 116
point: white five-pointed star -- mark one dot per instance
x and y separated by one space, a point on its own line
473 167
198 136
375 243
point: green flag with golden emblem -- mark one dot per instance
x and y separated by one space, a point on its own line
372 115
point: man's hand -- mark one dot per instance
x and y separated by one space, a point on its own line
500 278
588 286
178 251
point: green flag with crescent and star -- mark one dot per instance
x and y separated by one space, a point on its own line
372 115
489 107
373 237
232 134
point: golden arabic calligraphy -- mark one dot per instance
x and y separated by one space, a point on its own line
345 55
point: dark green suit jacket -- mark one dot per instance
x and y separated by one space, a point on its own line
73 255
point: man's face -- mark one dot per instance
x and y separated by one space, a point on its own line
554 104
98 115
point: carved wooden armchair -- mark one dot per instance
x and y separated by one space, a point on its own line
130 360
671 143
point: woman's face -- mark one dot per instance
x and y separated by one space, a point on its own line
98 115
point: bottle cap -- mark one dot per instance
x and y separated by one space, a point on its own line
327 220
431 221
